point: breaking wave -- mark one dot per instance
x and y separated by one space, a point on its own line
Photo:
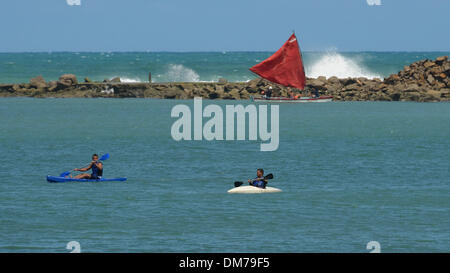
129 80
179 73
335 64
126 79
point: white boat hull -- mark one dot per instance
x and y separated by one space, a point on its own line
252 189
289 100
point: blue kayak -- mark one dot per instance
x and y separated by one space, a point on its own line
58 179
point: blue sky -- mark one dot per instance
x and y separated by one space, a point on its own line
224 25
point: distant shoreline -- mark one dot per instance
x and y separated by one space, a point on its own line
422 81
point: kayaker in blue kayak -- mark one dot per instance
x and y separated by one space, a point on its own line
259 181
97 169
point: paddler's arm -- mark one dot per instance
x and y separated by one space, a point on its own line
255 179
85 169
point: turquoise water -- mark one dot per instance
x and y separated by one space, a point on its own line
170 67
350 172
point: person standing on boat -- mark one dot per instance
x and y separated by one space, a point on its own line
259 181
269 92
314 93
97 169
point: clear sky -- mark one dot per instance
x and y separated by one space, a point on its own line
223 25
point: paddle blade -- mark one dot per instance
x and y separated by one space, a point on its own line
104 157
64 174
238 183
269 176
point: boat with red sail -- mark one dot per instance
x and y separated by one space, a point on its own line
285 67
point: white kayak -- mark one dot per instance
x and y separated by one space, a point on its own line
252 189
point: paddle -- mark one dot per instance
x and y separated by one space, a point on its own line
103 158
239 183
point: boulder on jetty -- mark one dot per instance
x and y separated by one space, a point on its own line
52 86
67 80
38 82
422 81
222 81
114 80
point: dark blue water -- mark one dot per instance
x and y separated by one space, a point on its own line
350 172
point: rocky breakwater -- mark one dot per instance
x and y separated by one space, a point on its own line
422 81
68 86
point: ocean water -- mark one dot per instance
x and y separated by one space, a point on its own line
351 172
209 66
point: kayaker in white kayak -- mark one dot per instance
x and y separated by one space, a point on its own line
97 169
259 181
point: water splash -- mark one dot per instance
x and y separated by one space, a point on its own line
126 79
129 80
180 73
334 64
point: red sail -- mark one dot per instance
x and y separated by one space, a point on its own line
284 67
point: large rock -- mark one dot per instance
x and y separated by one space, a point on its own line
16 87
372 85
116 80
244 94
348 81
67 80
441 60
434 94
52 86
412 88
352 87
430 79
334 80
317 84
392 79
384 97
333 87
223 81
252 89
442 76
38 82
322 78
429 64
214 95
233 95
173 94
395 96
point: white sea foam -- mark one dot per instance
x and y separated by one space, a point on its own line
126 79
335 64
180 73
130 80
